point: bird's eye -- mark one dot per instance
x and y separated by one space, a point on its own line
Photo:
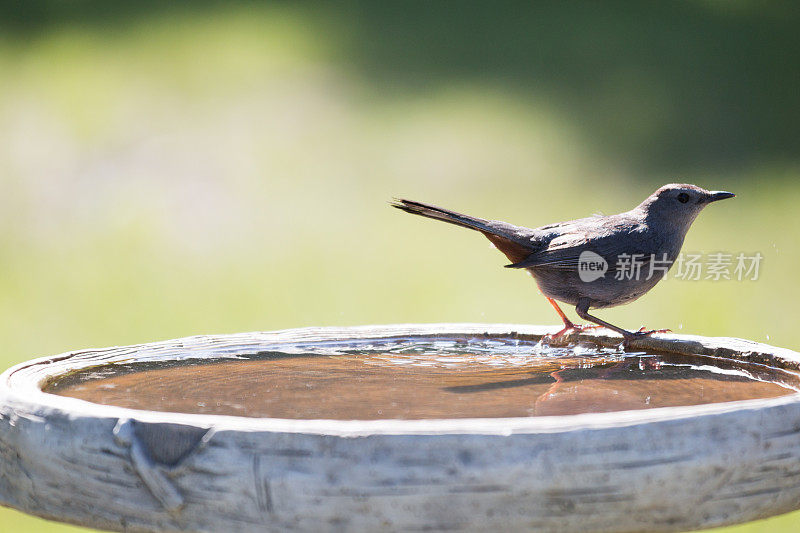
683 197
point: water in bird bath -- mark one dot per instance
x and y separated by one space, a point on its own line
434 378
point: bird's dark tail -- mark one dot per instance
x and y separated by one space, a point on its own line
445 215
502 235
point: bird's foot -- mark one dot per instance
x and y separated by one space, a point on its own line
645 332
558 337
641 333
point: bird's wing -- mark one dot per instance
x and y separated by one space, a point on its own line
608 237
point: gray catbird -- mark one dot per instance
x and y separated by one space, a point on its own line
599 261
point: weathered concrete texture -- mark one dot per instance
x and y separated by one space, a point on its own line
668 469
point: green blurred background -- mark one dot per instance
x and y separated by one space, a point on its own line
170 169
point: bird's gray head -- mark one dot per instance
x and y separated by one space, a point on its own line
678 204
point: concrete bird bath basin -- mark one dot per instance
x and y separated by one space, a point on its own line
438 427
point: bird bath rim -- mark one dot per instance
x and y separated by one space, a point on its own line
662 469
22 384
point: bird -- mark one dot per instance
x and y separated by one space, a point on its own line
596 262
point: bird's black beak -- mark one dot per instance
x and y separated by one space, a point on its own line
720 195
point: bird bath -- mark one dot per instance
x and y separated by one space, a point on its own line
446 426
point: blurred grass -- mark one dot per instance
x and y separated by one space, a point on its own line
221 170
